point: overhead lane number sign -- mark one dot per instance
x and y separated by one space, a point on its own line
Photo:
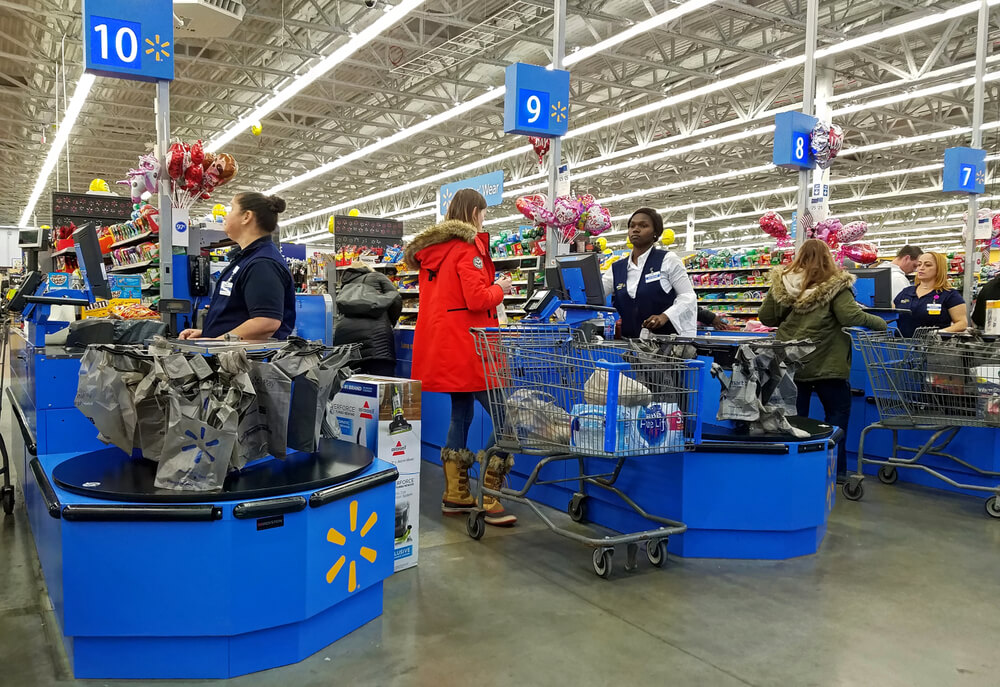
964 170
537 101
129 40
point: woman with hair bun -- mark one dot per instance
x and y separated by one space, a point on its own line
254 299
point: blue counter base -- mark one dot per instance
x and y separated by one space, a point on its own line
215 598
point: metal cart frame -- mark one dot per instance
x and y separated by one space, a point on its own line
930 384
553 360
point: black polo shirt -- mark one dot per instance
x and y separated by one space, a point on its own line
257 283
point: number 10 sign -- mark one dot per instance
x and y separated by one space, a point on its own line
129 40
536 102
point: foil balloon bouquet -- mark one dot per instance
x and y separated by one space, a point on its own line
193 174
571 217
843 240
825 143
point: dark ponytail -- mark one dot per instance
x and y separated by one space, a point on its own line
264 208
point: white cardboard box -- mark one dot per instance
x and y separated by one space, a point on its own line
992 324
383 414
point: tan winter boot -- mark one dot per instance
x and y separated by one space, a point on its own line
457 498
496 474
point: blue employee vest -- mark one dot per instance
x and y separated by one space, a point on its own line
229 309
649 296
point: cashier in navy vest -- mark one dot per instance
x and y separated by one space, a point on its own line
651 290
931 301
254 298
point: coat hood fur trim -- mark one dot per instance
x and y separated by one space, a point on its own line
814 297
442 233
462 456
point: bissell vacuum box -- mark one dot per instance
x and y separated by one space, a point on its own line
383 414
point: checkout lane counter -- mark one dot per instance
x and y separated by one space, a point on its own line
320 525
741 496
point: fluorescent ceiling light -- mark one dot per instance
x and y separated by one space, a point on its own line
385 21
80 94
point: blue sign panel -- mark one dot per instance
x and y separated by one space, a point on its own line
791 140
964 170
536 102
489 185
129 40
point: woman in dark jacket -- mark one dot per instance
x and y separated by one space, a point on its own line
373 330
813 300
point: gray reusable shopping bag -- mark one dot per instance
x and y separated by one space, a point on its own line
105 393
311 394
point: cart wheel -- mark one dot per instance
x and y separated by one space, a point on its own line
7 497
476 524
853 491
656 552
602 562
992 507
887 474
631 554
577 507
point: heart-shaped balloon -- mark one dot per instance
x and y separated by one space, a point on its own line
586 200
773 224
836 138
567 211
597 221
860 252
526 204
852 232
819 144
541 147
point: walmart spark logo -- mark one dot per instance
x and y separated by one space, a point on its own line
201 446
335 537
160 49
446 196
981 176
559 112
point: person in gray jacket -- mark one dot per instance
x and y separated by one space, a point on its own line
371 325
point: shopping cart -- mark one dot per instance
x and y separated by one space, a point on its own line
930 383
554 394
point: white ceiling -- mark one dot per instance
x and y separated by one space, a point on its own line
448 53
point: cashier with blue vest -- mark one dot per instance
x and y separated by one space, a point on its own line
254 299
931 301
651 289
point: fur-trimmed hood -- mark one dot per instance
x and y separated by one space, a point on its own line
448 230
787 291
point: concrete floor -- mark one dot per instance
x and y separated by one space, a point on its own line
903 592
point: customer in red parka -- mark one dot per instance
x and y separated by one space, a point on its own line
458 291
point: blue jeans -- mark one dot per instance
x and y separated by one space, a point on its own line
835 395
463 408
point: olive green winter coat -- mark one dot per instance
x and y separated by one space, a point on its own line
819 314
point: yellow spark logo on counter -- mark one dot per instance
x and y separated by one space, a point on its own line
335 537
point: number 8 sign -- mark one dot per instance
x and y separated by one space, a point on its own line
129 40
536 102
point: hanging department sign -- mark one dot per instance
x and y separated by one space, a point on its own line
129 40
489 185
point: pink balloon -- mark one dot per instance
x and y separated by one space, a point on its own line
597 220
852 232
773 224
567 211
586 200
861 252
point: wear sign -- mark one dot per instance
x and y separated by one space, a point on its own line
490 186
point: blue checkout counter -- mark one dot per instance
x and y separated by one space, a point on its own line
145 583
741 497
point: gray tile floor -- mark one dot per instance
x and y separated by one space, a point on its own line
903 592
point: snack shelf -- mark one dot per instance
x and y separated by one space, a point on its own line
65 251
137 266
727 287
725 301
720 270
133 240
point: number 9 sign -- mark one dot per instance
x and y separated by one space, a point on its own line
129 40
536 102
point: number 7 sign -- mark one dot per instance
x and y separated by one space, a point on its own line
964 170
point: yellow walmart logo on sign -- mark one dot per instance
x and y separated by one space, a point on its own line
335 537
560 112
158 48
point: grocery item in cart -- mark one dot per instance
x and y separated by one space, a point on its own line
536 418
630 392
656 427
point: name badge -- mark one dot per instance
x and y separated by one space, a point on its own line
226 288
652 276
933 308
